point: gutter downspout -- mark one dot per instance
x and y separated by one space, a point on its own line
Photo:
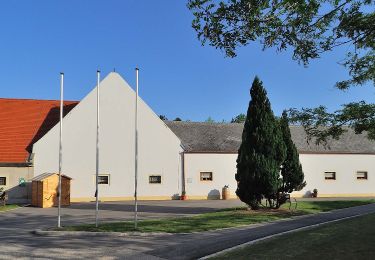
183 172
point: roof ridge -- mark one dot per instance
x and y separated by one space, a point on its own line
199 122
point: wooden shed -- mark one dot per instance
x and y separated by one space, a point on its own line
45 189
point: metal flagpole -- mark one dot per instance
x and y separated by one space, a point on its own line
60 147
97 148
136 153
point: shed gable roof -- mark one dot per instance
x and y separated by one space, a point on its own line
227 137
45 175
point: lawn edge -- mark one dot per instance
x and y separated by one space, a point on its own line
18 207
56 233
41 232
309 227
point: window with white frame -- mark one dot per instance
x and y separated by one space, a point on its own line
3 181
103 179
154 179
330 175
206 176
361 175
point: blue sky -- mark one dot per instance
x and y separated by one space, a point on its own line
179 77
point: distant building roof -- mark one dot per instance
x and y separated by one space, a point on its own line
226 138
207 137
25 121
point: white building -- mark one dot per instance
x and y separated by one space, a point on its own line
22 123
199 158
160 175
343 168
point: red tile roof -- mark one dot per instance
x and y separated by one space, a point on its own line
25 121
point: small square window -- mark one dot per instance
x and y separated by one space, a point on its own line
361 175
154 179
103 179
330 175
3 181
206 176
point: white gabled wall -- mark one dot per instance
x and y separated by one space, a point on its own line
159 148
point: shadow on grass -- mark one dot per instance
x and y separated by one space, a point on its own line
203 222
225 218
355 236
324 206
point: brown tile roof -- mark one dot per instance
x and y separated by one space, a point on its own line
25 121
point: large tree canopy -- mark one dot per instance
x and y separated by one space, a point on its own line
321 124
310 28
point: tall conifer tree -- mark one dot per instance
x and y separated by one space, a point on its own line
261 152
291 168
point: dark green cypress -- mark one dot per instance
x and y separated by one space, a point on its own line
291 172
261 152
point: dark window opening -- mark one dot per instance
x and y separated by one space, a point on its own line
361 175
206 176
103 179
154 179
330 175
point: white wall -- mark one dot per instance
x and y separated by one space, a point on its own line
159 148
223 168
17 193
345 166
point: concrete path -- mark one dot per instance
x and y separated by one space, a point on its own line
17 242
83 213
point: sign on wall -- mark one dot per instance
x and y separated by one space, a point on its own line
21 182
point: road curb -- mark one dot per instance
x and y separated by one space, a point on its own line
279 234
55 233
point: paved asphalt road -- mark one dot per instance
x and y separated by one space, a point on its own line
16 241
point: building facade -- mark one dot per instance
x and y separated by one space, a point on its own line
159 149
22 123
341 168
173 157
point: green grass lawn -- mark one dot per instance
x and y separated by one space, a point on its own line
220 219
8 207
347 239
